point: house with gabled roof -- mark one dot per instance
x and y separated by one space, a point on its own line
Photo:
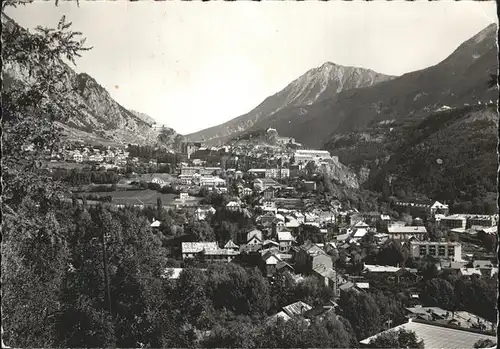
269 244
309 255
274 318
231 245
254 237
296 309
327 276
270 261
191 249
285 240
290 311
283 265
439 208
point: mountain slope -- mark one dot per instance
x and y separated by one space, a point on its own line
144 117
92 113
450 155
458 80
315 85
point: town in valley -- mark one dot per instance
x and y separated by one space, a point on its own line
372 223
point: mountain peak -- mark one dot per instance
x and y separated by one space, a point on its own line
317 84
328 64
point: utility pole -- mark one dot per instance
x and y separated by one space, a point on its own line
106 276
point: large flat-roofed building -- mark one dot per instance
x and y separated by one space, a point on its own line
304 156
453 222
438 336
406 233
441 250
481 220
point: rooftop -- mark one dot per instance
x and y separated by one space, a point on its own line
408 230
311 151
155 224
470 271
230 244
172 273
285 236
281 315
312 249
381 268
446 243
221 252
459 318
324 271
195 247
438 336
454 216
297 308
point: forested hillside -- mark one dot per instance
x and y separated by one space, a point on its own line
450 155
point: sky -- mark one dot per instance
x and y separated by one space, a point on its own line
192 65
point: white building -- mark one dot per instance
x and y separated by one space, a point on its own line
438 207
299 217
77 157
190 249
210 251
441 250
406 233
212 181
158 181
285 240
304 156
233 206
203 212
254 237
277 173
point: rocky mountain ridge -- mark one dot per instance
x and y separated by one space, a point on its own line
459 80
144 117
91 111
315 85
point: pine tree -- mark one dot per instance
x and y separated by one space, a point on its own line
34 249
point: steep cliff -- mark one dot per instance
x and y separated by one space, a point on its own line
91 113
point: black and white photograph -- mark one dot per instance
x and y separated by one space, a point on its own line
249 174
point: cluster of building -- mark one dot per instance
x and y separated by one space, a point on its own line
273 246
81 153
